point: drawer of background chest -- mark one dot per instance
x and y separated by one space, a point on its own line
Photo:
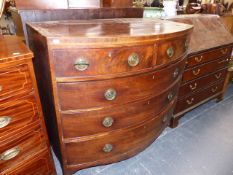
37 165
83 95
198 97
118 144
17 114
209 56
201 83
117 117
14 80
20 148
84 62
204 69
172 49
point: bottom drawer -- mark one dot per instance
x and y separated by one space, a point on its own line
17 150
39 165
117 145
197 97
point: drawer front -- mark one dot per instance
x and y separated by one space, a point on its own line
196 98
198 84
17 114
117 145
14 80
113 118
89 62
92 94
208 56
204 69
17 150
172 50
39 165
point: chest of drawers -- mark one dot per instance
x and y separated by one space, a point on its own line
108 86
23 136
205 72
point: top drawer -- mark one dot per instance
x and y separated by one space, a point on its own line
171 50
13 80
89 62
208 56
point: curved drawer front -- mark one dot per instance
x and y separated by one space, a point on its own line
117 145
117 117
17 114
200 83
208 56
88 62
83 95
14 80
12 152
172 49
197 97
204 69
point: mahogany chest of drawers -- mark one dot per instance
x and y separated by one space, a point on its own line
205 72
24 146
108 86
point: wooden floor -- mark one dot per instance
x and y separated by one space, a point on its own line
201 145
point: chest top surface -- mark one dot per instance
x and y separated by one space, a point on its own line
12 48
111 30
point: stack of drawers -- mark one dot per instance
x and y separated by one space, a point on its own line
203 79
24 146
114 88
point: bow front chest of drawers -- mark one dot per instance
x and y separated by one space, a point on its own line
24 146
108 86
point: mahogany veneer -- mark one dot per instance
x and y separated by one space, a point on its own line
205 72
23 137
108 86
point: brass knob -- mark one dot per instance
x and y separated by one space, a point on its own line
1 88
176 73
108 122
107 148
170 96
170 52
4 121
110 94
10 154
81 64
133 60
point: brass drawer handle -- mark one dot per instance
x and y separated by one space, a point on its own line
223 61
1 88
189 102
81 64
108 122
193 87
224 51
107 148
4 121
110 94
133 60
170 96
218 76
176 73
170 52
10 154
197 59
214 89
196 72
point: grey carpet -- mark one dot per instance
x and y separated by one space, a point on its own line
201 145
